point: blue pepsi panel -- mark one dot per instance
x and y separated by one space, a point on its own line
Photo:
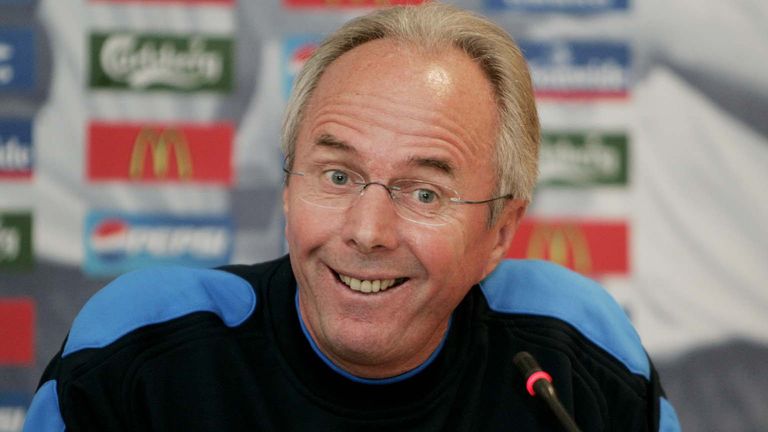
296 51
17 59
16 154
13 409
118 242
563 6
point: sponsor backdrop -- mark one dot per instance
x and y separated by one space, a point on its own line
145 132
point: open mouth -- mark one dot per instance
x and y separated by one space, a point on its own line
369 286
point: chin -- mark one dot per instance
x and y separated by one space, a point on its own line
361 346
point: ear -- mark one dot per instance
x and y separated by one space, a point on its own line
285 200
504 231
286 209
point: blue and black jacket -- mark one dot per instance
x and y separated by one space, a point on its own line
174 349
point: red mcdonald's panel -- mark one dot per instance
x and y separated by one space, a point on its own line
199 153
589 247
17 331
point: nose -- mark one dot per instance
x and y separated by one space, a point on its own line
371 222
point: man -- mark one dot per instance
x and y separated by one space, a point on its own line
411 142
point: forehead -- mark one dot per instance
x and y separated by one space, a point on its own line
388 98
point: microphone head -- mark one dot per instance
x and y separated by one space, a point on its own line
539 383
531 371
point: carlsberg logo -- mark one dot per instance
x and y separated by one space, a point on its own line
147 62
15 241
584 159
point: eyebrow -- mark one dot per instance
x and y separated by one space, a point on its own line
330 141
441 165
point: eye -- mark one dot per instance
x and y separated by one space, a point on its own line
425 196
337 177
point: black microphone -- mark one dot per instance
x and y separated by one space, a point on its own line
539 383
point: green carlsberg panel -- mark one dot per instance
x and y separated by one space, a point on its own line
584 159
183 63
15 241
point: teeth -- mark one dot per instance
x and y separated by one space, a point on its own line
367 286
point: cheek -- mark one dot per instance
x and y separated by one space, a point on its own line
442 250
458 255
302 236
304 228
450 270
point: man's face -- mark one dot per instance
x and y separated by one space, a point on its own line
388 112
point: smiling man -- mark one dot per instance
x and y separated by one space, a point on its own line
390 135
411 142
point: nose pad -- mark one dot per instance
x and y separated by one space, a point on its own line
389 191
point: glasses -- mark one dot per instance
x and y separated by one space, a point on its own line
418 201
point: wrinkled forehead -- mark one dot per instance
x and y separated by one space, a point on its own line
444 87
384 61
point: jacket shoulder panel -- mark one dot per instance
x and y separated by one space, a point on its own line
44 414
546 289
157 295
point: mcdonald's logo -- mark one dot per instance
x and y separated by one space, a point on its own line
588 247
160 143
198 153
